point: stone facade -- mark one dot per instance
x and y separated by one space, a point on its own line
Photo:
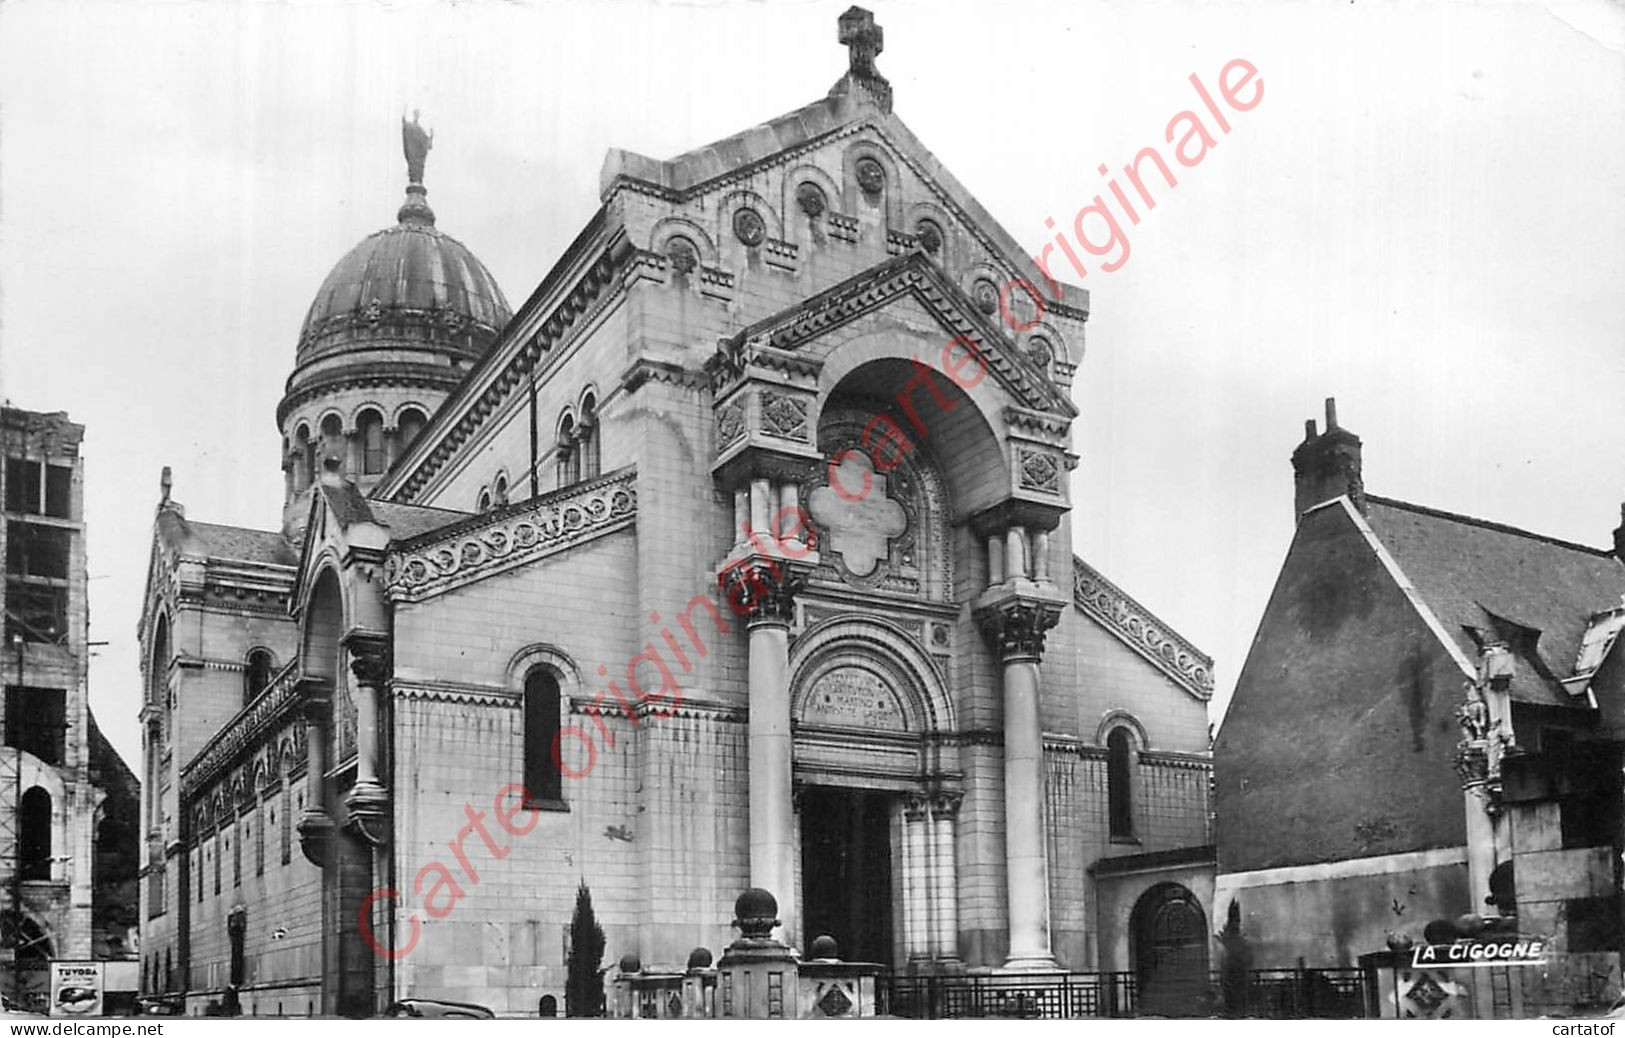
740 557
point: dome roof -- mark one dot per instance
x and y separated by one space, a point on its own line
410 281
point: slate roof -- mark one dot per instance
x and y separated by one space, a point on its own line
243 544
1491 580
349 505
228 543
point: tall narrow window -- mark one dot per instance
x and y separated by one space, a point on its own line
370 426
256 674
409 426
569 456
499 490
1120 784
34 826
306 473
333 445
589 438
542 779
285 837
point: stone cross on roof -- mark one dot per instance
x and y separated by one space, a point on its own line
864 40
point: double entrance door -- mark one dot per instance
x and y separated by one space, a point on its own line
846 871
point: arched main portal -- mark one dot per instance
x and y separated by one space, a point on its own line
874 800
1168 938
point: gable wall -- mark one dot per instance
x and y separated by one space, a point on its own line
1339 739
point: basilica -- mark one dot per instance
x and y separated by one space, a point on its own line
737 555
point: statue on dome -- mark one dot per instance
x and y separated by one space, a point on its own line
416 142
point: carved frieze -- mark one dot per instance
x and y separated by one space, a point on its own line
784 416
730 420
1131 622
1039 470
239 736
503 539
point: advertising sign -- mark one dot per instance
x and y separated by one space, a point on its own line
1496 951
76 988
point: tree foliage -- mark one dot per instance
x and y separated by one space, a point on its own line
584 984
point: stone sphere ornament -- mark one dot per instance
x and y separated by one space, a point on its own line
630 963
930 236
871 176
749 228
699 959
986 296
756 913
683 255
811 199
824 947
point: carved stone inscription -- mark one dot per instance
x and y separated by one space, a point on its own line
852 697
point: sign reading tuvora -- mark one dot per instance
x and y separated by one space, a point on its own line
1527 951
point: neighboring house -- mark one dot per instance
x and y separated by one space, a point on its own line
1427 726
545 606
69 853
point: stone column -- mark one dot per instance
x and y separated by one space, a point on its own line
1015 627
916 881
945 911
315 824
764 589
368 800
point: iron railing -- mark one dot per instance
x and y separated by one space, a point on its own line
1268 994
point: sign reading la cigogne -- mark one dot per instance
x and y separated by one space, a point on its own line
1527 951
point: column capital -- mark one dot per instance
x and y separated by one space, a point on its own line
762 587
945 803
370 662
914 806
1014 624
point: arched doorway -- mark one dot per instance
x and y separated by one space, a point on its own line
1168 931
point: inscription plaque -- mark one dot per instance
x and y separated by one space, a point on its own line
853 698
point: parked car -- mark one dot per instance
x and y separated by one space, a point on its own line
149 1005
9 1008
436 1009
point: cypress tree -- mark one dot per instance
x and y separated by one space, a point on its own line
584 985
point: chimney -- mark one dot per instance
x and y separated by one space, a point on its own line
1326 466
1619 536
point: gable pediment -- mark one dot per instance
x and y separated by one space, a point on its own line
781 342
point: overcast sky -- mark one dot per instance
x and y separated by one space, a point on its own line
1423 217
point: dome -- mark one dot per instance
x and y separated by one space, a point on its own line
406 285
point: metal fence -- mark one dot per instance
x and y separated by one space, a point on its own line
1267 994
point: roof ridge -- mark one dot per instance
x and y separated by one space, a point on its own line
1487 524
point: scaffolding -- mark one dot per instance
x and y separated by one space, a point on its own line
25 942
